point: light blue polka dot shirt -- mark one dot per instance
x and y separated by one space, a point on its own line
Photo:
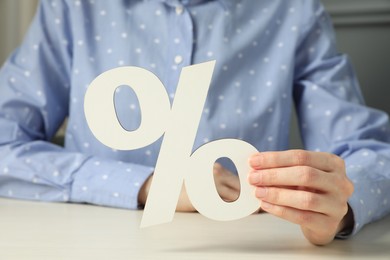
270 55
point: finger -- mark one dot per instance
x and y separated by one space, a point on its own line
300 176
225 177
228 194
184 204
233 182
319 160
322 224
298 199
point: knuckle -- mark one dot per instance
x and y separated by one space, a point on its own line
218 170
309 200
281 212
217 175
308 176
350 187
336 160
217 167
302 157
270 177
340 162
346 186
273 195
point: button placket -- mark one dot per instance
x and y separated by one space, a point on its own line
180 47
178 59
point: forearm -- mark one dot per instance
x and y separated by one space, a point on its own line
42 171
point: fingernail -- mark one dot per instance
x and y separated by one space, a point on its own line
261 192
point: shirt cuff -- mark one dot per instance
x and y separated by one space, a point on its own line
109 183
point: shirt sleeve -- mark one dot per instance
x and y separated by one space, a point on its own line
34 97
333 118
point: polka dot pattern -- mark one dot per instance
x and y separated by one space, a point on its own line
257 74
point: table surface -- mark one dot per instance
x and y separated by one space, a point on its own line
37 230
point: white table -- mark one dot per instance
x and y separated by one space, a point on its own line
36 230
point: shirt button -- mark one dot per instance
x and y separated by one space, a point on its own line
178 59
179 9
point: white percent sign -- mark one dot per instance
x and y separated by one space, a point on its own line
176 162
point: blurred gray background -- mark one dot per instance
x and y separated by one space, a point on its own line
362 27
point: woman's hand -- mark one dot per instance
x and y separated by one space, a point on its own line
307 188
227 184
